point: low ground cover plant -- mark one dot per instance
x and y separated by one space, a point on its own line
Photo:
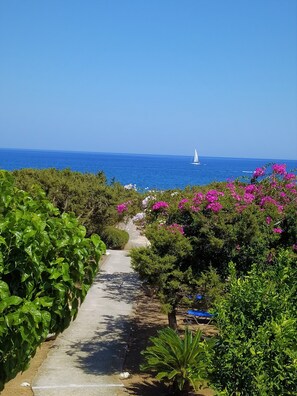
179 361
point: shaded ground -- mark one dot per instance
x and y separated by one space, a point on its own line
147 321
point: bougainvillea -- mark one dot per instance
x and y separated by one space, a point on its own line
161 205
123 207
257 216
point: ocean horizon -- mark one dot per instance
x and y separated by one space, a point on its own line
145 171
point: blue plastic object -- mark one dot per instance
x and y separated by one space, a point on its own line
203 314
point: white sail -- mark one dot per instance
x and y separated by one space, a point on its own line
196 158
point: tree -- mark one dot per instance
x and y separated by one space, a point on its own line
163 266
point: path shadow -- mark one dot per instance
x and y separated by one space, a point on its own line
105 352
120 286
115 348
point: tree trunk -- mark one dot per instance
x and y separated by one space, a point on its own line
172 319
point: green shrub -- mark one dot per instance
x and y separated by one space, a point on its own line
88 196
164 266
46 267
180 362
256 350
114 238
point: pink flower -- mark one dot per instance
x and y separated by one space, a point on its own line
236 196
251 188
268 220
213 195
160 205
259 172
248 198
280 169
122 208
290 176
267 199
290 186
214 206
195 208
182 203
198 198
277 230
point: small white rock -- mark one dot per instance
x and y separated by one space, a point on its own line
125 375
25 384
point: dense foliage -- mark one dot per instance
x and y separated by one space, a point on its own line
87 195
179 361
195 230
163 267
46 267
114 238
256 351
197 237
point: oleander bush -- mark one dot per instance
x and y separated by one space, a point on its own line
114 238
46 268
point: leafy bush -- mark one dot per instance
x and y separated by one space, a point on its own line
256 351
114 238
87 195
181 362
164 267
234 221
46 267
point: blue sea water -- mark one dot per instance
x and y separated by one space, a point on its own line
145 171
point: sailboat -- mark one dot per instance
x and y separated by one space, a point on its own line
196 158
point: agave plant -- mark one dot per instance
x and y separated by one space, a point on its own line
178 361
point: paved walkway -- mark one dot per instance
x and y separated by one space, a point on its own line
87 358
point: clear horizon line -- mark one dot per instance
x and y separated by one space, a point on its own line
150 154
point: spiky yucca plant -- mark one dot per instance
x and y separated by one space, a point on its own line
178 361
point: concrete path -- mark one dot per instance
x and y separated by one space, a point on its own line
88 357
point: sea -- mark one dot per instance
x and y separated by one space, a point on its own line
141 171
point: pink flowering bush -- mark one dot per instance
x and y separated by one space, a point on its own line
234 221
161 205
279 169
221 232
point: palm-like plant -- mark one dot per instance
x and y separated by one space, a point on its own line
179 361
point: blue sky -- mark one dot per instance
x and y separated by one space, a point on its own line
150 76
